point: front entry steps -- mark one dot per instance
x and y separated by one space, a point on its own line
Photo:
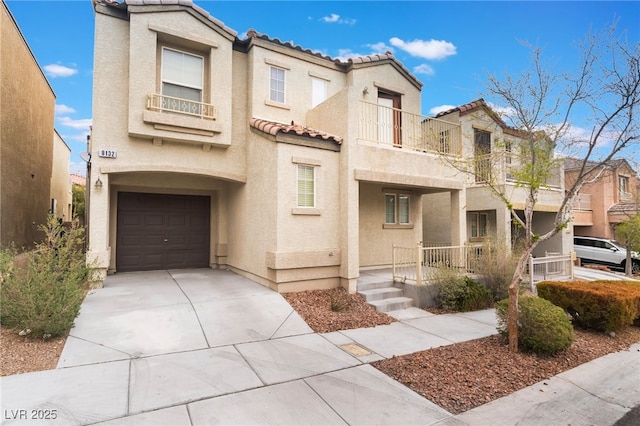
384 296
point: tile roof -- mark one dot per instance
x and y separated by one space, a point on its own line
345 64
187 3
253 34
571 163
273 128
627 208
478 104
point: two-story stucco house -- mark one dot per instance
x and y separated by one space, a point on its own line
491 154
281 164
609 197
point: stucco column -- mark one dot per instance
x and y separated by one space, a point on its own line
458 217
503 226
98 252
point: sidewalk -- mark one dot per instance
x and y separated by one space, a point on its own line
209 347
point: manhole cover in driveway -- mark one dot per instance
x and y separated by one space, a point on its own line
355 349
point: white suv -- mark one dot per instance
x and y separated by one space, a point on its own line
606 252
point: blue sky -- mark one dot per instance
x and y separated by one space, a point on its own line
449 46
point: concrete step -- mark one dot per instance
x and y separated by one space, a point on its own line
364 286
380 293
392 304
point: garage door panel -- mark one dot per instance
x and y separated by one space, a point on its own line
159 231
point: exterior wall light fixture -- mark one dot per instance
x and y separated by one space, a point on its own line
98 183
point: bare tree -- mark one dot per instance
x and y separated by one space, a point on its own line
542 103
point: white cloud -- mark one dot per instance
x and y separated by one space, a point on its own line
63 109
334 18
503 112
81 124
56 70
345 54
440 108
380 48
424 69
431 49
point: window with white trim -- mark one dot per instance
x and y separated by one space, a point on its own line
182 80
318 91
479 224
623 186
396 208
276 84
306 186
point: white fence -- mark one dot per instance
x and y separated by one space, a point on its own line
550 267
417 264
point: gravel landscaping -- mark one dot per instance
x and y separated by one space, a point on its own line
465 375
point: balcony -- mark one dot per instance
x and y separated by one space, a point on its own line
582 212
395 127
163 103
502 167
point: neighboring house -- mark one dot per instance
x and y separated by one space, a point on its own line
61 197
492 155
26 138
609 197
287 166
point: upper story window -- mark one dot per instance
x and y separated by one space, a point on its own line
276 84
182 79
318 91
623 186
306 186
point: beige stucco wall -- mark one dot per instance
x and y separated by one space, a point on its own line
60 178
256 228
26 138
376 239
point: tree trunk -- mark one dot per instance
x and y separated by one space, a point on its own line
512 325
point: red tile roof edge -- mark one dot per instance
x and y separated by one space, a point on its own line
273 128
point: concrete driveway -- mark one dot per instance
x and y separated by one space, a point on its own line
141 314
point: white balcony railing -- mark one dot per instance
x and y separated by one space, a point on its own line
499 167
402 129
159 102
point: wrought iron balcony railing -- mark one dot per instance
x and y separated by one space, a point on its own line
159 102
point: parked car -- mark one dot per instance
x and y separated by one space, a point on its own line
605 252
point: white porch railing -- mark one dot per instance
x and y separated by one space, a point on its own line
158 102
393 126
550 267
418 264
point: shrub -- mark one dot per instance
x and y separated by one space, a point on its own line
599 305
496 265
42 290
339 300
543 328
460 293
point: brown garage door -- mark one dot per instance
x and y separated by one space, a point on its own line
159 231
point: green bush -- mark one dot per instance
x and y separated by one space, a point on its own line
543 328
460 293
42 290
